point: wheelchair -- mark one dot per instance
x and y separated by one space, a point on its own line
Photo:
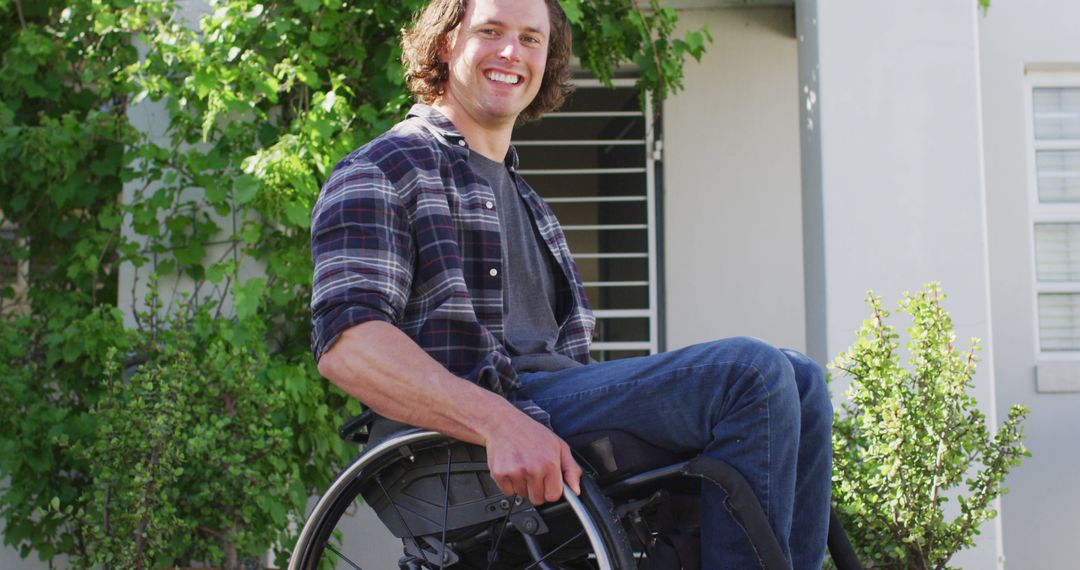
638 508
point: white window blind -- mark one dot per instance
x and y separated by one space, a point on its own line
1055 143
1057 113
1057 252
1059 321
592 160
1058 175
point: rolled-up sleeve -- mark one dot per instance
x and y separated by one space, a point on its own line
362 253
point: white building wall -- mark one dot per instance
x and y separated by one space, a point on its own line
152 119
732 224
1041 514
10 559
893 173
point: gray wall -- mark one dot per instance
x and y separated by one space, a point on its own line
152 118
1041 515
10 559
732 221
893 173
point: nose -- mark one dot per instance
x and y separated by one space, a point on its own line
509 51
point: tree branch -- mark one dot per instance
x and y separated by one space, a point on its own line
18 10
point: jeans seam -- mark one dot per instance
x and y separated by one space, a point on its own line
611 387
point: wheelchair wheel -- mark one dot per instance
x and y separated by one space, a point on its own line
434 496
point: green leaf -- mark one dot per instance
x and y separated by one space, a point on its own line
573 10
19 202
251 234
248 296
216 272
165 267
320 38
204 83
308 5
309 76
215 191
298 214
72 350
110 220
63 192
323 129
268 86
245 188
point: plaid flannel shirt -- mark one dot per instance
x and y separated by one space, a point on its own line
405 232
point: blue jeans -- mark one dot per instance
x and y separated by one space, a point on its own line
764 411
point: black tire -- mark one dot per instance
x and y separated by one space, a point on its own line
575 533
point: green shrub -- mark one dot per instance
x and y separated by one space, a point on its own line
196 454
193 458
909 437
50 371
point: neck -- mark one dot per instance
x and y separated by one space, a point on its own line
490 140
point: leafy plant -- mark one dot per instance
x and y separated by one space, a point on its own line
908 439
193 456
49 380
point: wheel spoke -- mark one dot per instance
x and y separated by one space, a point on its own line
556 549
446 508
378 479
343 557
498 537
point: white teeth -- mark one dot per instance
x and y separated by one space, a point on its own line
502 77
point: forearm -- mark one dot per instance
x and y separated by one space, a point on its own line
378 364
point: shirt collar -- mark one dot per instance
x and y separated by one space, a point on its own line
453 137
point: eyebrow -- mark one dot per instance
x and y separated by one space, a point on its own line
500 23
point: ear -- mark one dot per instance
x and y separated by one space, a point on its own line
446 45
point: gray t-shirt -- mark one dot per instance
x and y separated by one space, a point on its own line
530 329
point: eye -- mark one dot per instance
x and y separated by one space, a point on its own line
531 39
488 32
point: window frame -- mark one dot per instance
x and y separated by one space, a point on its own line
1046 212
652 156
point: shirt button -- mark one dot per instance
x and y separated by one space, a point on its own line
489 204
493 272
461 142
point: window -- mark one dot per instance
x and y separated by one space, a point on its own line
1055 183
593 161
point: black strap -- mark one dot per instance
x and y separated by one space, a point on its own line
840 549
744 507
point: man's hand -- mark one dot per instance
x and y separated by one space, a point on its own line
525 458
529 460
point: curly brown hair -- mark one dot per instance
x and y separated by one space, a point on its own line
426 76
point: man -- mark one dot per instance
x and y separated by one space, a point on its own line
445 297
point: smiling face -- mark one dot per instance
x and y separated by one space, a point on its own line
496 59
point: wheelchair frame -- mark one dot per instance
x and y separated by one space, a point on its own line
602 526
587 509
